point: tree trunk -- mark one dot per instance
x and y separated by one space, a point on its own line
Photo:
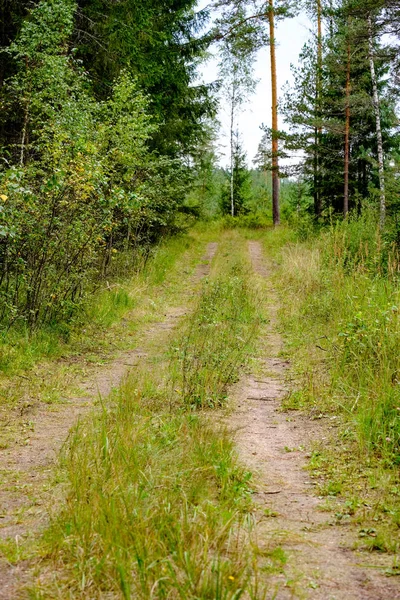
25 125
375 97
331 19
347 135
275 145
233 98
317 207
23 138
318 129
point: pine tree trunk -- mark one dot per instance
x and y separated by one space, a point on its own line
275 145
331 19
347 135
318 129
317 209
376 102
232 148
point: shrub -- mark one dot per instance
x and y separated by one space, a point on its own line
86 185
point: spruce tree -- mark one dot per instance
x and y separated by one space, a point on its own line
160 43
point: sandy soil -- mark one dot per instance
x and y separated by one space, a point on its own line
273 445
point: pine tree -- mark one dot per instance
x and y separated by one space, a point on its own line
345 148
254 23
274 108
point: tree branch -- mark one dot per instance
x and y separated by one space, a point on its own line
237 25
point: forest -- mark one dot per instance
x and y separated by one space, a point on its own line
199 349
101 110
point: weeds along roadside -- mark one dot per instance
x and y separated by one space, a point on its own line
156 504
46 368
19 350
340 317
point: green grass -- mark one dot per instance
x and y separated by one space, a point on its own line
156 505
20 350
340 316
49 365
217 341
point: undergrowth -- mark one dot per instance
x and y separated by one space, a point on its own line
20 349
49 365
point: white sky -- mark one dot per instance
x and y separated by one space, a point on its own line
291 35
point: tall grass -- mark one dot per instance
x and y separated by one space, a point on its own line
353 303
214 345
341 302
157 506
154 509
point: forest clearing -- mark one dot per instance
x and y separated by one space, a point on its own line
199 349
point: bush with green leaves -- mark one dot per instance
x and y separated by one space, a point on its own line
81 184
